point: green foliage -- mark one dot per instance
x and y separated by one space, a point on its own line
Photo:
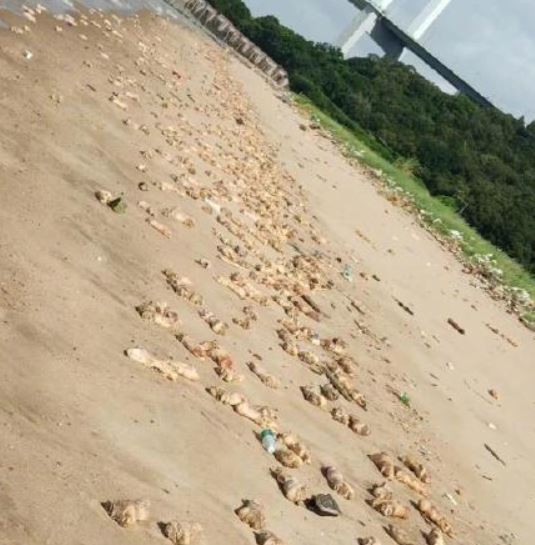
409 166
235 10
440 214
478 159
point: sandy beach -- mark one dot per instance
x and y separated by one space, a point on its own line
159 194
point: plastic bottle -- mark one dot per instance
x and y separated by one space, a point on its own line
347 273
269 441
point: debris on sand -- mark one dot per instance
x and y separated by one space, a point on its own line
127 512
398 535
388 506
292 489
203 262
430 513
494 394
158 313
384 464
456 326
117 204
180 217
292 442
216 325
336 481
405 307
160 227
368 541
257 279
171 370
324 505
252 513
288 458
182 533
417 468
313 397
351 421
268 538
434 537
265 378
495 455
103 196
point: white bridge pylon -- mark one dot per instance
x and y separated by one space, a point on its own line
362 24
427 17
367 19
382 5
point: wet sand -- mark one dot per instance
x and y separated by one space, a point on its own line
115 102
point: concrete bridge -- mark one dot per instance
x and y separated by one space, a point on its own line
374 21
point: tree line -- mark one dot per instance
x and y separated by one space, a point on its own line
478 159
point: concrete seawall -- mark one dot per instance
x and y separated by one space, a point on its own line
221 27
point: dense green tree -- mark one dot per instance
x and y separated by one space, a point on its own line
477 159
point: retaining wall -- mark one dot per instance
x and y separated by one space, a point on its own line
221 27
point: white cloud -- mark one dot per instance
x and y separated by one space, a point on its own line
488 42
321 21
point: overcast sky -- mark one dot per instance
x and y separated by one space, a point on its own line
490 43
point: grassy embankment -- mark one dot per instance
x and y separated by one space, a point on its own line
443 218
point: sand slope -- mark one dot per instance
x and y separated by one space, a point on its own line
112 103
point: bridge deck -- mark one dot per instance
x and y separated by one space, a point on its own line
406 41
438 66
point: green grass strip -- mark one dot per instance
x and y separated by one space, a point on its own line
440 216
